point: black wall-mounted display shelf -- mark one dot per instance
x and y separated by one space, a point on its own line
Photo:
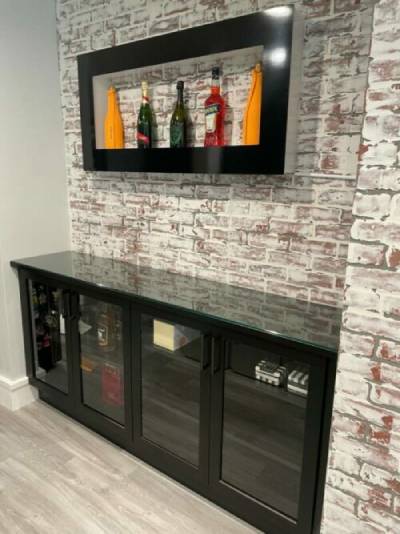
277 30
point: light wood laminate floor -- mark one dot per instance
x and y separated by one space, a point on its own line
56 476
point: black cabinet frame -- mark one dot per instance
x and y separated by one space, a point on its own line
234 499
196 478
217 339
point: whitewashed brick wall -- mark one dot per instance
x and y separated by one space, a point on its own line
363 482
287 235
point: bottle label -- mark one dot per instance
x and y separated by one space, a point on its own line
102 335
177 135
211 117
145 139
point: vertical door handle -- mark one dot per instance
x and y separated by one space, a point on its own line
66 304
215 355
205 352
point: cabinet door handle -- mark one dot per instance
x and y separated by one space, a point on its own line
66 305
215 356
205 352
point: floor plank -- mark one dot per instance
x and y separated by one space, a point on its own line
58 476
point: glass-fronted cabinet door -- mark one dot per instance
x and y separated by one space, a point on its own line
266 422
49 307
171 388
102 359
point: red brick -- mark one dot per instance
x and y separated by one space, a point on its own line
339 232
386 395
318 248
388 350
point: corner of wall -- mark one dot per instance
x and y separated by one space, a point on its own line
14 394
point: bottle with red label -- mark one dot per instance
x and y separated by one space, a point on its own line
144 123
214 113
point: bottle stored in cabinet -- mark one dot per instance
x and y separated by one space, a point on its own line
105 330
214 113
113 128
177 129
145 122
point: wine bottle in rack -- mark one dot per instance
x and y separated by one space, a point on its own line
145 122
177 130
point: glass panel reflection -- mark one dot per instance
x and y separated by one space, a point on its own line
51 365
171 355
102 365
265 401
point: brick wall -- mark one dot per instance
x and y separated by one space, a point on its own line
363 483
285 235
289 234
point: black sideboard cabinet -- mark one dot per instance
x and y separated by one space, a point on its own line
173 369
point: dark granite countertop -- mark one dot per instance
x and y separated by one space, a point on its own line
311 324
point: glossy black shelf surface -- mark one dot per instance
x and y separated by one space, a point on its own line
270 29
214 160
303 322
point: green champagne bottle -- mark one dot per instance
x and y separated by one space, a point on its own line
144 123
177 129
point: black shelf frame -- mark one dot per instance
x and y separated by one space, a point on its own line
260 29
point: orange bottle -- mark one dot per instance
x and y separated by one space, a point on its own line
252 115
113 128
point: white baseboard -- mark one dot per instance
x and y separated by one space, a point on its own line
15 394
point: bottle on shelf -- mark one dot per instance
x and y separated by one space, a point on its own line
177 129
214 113
252 115
145 122
113 127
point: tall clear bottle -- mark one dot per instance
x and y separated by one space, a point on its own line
145 120
177 129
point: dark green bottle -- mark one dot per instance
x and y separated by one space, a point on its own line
177 129
144 123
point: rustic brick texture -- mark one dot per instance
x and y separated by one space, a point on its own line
363 482
286 235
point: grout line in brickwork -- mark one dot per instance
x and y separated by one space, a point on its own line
327 176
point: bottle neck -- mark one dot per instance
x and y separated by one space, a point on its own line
179 99
111 100
145 95
215 87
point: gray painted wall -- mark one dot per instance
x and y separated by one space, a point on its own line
33 197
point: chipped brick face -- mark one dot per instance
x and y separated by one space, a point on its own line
363 481
286 235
